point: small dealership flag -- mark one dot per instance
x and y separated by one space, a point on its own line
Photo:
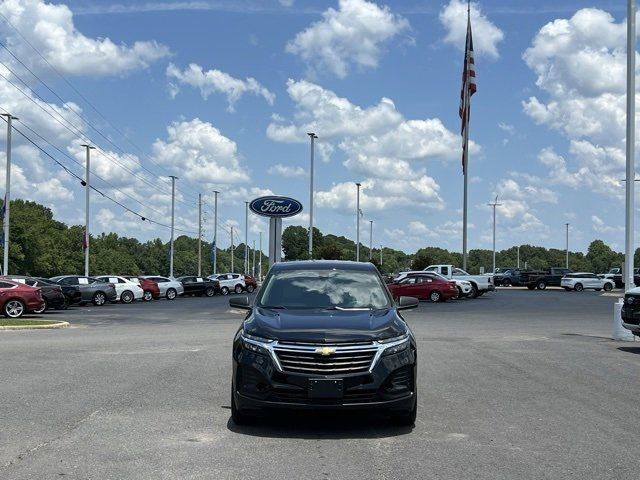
468 89
85 240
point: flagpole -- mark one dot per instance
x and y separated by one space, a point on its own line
465 158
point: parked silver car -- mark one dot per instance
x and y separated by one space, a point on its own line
82 290
170 288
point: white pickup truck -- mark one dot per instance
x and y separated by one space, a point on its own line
480 284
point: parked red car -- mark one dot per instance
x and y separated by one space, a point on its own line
150 287
17 299
250 283
424 286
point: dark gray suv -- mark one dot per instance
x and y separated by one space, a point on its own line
82 290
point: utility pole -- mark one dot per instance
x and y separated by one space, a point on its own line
87 190
380 256
215 231
232 251
567 249
253 270
629 240
494 205
173 217
358 223
370 240
199 234
246 237
260 260
313 138
7 197
518 256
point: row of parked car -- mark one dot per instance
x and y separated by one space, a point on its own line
553 277
20 294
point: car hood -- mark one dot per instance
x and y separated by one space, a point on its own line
325 326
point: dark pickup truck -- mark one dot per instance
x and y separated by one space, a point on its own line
542 279
617 278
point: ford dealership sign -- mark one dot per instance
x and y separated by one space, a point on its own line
275 207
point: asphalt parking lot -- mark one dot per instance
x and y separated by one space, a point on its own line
513 385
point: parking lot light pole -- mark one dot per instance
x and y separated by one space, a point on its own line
253 269
630 146
260 260
313 137
246 237
87 190
567 248
370 240
380 255
199 234
518 256
215 231
232 251
173 217
494 205
358 223
7 198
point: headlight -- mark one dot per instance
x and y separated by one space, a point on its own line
255 344
395 345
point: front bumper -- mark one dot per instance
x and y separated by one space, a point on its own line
258 384
631 318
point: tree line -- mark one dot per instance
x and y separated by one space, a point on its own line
43 246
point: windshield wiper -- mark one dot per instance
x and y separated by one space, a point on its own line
346 309
273 307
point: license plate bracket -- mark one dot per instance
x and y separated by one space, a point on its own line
325 388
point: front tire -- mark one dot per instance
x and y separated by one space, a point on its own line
407 419
13 308
250 288
127 297
171 294
435 296
607 287
474 291
147 296
99 299
238 289
541 285
237 416
209 292
578 287
224 290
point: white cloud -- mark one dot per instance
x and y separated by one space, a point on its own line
599 226
352 35
505 127
50 28
377 141
287 171
198 151
378 195
580 66
216 81
486 36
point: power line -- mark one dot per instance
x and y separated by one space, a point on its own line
85 99
108 197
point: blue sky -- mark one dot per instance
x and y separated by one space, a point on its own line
221 94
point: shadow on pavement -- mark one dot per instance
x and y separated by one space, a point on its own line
635 350
325 425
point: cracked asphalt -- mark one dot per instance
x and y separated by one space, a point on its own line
515 384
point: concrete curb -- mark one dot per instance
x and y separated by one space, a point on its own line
35 327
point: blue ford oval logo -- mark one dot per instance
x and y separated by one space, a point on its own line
275 206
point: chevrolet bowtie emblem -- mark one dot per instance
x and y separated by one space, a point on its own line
325 350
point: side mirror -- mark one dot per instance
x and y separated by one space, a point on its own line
241 302
406 303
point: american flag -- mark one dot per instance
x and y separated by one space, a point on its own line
468 89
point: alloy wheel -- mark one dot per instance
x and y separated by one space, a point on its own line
14 308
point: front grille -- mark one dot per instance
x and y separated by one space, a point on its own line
307 361
302 396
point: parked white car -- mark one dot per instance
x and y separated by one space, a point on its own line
582 280
229 282
480 284
126 290
170 288
464 287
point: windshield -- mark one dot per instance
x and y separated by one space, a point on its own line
316 289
